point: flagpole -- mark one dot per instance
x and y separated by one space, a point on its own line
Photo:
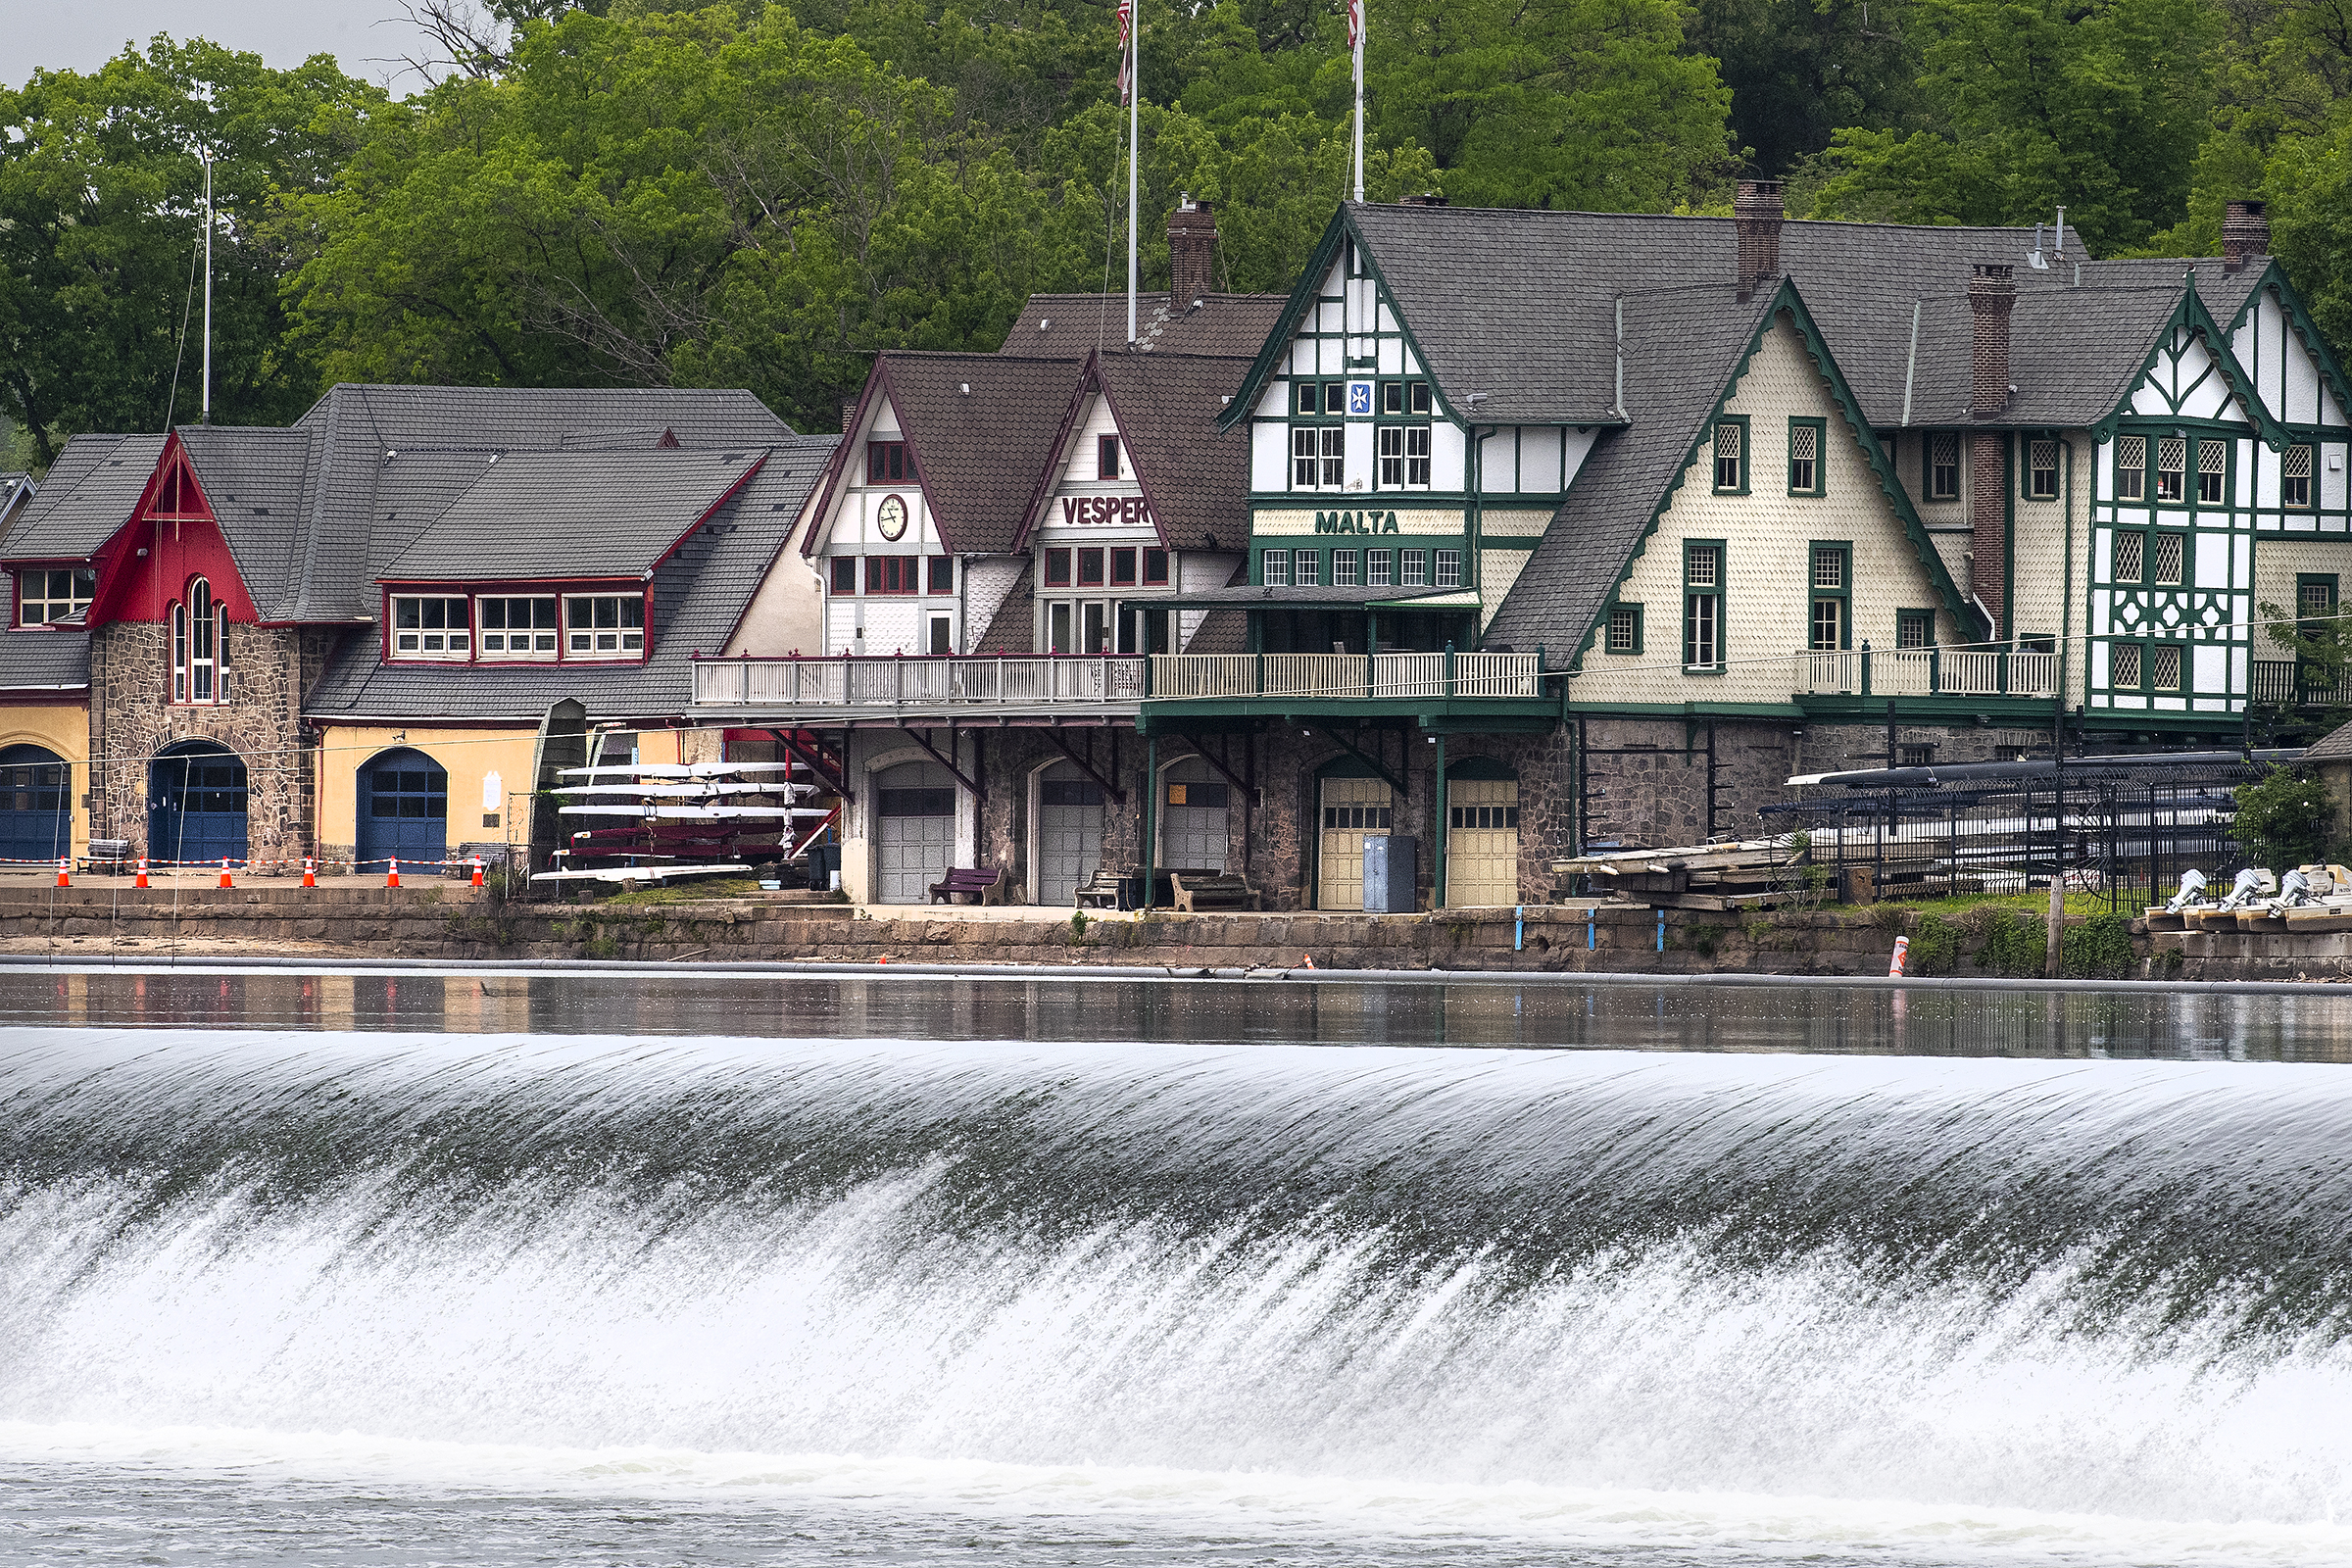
1135 148
1356 29
205 417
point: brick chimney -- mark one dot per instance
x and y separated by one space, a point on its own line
1991 292
1191 253
2246 233
1757 214
849 416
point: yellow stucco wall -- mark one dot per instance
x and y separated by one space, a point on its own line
62 728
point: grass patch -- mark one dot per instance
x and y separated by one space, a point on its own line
718 887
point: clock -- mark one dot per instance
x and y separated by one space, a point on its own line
891 519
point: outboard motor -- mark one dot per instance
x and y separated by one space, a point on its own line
2293 890
2192 892
2252 883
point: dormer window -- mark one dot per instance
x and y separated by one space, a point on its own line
886 463
604 626
46 596
431 628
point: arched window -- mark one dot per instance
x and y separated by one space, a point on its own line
199 647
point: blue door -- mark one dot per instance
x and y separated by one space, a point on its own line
196 804
404 808
36 814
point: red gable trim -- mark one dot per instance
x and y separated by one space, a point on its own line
148 563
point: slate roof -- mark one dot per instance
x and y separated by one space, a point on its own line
540 516
1074 325
2333 746
90 491
1197 476
55 660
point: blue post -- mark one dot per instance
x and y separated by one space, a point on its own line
1661 930
1592 934
1519 929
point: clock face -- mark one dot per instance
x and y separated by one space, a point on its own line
892 519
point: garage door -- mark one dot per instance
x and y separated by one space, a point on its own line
36 818
1193 837
1354 809
1481 842
1069 833
196 804
915 839
404 808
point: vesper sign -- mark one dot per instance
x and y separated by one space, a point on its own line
1124 510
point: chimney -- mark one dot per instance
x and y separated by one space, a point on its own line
849 416
1757 214
2246 233
1990 294
1191 253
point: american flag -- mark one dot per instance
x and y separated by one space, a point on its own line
1126 26
1356 24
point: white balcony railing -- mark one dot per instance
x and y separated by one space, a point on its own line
1319 676
1927 673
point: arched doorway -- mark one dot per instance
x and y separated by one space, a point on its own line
1069 832
1482 833
196 804
1193 832
36 803
403 808
914 830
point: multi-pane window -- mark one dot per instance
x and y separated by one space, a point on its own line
199 647
46 596
1344 565
1106 457
1335 457
886 463
1702 606
1915 628
2131 468
1730 462
1274 569
1624 629
612 625
1804 456
845 572
1391 457
1829 626
431 628
1305 568
2314 595
1485 818
1378 569
2130 548
2125 672
2042 470
526 629
1318 458
1324 397
1416 458
1449 568
884 574
2164 667
1943 467
1412 569
2171 464
2170 555
1304 445
2213 470
1404 456
1403 397
1914 755
2296 479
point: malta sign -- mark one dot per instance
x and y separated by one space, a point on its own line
1356 522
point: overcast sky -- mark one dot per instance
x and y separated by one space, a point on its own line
82 34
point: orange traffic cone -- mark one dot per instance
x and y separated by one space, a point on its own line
1307 961
478 870
143 881
224 881
62 880
392 876
310 872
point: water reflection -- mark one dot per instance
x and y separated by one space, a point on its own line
1825 1019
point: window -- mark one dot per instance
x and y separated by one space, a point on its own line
1335 397
1412 569
1356 816
1484 818
431 628
526 629
1156 567
943 636
1274 569
1318 458
1449 570
1343 568
1304 444
1090 569
1310 398
1404 397
1943 467
2123 671
1335 457
1106 457
2315 602
1914 755
1730 463
2213 463
2131 548
2042 470
886 463
199 647
2164 667
1391 457
1416 397
884 574
1804 456
844 575
2131 468
612 625
46 596
943 575
2170 551
1624 635
1915 628
1378 569
1831 624
2294 479
1416 456
1122 568
1057 568
1702 605
1304 569
2171 462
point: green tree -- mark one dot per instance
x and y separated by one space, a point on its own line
101 204
2284 818
1800 69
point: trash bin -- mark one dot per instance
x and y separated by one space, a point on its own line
1389 869
823 860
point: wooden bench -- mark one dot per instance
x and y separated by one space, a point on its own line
111 856
1210 890
967 879
1102 891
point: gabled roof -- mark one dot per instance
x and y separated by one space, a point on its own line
1073 327
979 429
2333 746
1195 474
90 491
602 514
255 479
